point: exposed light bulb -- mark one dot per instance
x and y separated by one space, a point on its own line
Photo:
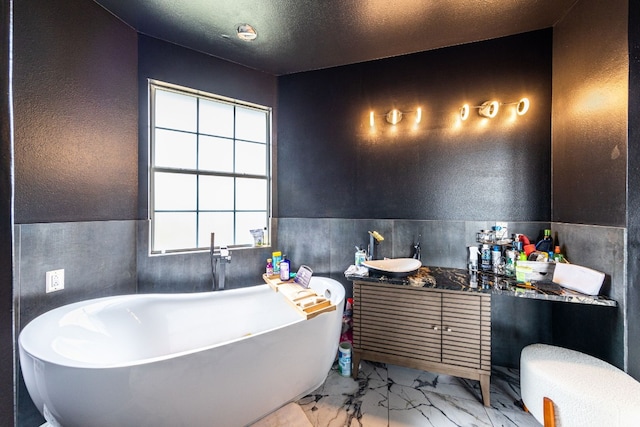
522 107
394 116
464 112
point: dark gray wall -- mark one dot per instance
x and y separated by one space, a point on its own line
633 208
590 91
590 101
76 109
7 395
333 165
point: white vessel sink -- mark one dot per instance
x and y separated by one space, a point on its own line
394 266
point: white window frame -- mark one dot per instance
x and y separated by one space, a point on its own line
158 85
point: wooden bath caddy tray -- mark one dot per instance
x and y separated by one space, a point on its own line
306 301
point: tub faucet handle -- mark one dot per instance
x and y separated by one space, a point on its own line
225 254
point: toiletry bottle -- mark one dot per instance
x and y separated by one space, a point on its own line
472 264
269 267
284 268
546 244
360 256
496 259
485 257
276 257
557 256
265 238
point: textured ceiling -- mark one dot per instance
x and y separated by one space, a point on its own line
302 35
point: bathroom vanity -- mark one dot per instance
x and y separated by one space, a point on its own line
432 329
440 325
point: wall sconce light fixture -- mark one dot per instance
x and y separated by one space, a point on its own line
487 109
490 109
395 116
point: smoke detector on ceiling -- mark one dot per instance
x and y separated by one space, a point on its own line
246 32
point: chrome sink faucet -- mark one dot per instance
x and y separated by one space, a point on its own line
416 249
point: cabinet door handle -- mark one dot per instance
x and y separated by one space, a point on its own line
448 329
436 328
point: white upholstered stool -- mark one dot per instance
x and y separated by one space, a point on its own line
584 391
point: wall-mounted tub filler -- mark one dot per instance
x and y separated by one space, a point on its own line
219 260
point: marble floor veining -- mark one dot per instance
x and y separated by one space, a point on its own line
393 396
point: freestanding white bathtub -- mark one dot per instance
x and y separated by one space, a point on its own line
210 359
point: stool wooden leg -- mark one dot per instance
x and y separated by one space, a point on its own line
549 413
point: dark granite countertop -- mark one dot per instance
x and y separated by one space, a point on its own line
457 279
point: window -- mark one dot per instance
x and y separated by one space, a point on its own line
210 169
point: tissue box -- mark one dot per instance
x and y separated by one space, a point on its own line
578 278
527 271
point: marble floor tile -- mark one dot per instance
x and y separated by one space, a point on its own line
410 406
442 384
394 396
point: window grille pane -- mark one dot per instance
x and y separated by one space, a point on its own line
251 125
251 158
251 194
175 149
216 193
216 118
174 191
174 230
175 111
220 223
216 154
246 221
205 155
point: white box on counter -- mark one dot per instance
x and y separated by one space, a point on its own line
527 271
578 278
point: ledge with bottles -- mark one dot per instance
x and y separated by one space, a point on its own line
516 256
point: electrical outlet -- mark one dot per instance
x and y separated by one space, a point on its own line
55 280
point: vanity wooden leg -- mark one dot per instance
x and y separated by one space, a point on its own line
485 385
356 364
